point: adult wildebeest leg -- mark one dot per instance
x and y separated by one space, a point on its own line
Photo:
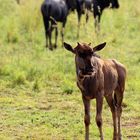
54 26
50 37
111 103
99 105
46 25
97 23
97 16
62 31
79 19
56 35
87 15
87 116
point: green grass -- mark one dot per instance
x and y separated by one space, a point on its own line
39 99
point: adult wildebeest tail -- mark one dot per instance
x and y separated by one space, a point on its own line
45 13
45 8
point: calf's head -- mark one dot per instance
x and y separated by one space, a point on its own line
84 56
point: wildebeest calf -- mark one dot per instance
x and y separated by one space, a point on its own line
98 78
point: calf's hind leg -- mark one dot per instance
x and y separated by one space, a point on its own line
112 106
119 97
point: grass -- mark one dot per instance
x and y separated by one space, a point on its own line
39 99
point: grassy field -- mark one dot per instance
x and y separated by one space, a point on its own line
39 99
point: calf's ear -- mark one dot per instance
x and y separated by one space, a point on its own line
99 47
68 47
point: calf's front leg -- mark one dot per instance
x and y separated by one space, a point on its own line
87 116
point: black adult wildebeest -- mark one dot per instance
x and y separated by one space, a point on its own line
99 6
88 7
98 78
80 10
82 7
54 11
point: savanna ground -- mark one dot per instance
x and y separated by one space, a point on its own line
39 99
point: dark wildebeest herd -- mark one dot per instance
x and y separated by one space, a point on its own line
54 11
96 78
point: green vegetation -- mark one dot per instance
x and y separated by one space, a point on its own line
39 99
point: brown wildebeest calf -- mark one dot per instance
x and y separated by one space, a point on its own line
98 78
